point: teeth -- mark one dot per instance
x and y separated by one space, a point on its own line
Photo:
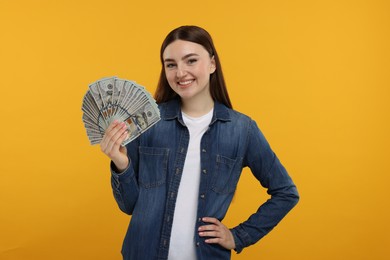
185 82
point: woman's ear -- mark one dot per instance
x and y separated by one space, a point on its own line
213 67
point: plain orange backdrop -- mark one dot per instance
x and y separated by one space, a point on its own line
313 74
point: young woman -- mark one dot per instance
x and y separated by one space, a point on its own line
177 179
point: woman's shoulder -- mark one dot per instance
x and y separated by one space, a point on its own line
240 114
169 108
236 115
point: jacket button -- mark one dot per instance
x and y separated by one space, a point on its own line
197 243
204 171
203 150
202 196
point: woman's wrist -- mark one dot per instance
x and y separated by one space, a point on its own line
121 166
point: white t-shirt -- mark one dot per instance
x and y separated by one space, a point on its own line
182 244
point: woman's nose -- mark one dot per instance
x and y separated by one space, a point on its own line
181 72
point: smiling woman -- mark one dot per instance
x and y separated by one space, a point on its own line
195 168
201 40
187 68
314 75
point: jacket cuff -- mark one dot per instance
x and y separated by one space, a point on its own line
123 176
241 238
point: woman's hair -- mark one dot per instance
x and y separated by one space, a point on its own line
200 36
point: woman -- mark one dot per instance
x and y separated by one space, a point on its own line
177 179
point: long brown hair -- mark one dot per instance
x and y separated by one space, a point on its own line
200 36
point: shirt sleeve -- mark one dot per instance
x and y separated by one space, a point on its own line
125 184
267 168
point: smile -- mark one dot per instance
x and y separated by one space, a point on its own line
185 83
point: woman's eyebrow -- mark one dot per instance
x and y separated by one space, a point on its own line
189 55
183 58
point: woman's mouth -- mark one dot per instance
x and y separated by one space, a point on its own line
185 83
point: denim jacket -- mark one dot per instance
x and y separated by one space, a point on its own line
148 188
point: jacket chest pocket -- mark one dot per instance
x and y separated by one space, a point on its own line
153 165
226 175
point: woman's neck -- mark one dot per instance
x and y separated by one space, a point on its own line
197 107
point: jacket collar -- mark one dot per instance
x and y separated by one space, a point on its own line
173 110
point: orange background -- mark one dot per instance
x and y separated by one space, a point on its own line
313 74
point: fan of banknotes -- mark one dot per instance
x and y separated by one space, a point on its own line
112 98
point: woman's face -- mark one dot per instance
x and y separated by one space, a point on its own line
188 67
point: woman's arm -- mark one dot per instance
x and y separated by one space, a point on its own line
123 178
267 168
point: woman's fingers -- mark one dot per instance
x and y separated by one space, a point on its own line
211 220
108 135
217 233
111 136
118 134
110 145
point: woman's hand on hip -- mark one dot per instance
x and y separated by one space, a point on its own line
217 233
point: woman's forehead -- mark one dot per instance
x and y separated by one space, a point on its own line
179 49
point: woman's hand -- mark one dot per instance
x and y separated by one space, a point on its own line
115 134
217 232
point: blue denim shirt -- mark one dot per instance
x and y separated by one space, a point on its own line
148 188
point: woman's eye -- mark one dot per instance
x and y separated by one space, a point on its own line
191 61
170 65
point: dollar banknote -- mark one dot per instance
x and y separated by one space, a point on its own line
112 98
